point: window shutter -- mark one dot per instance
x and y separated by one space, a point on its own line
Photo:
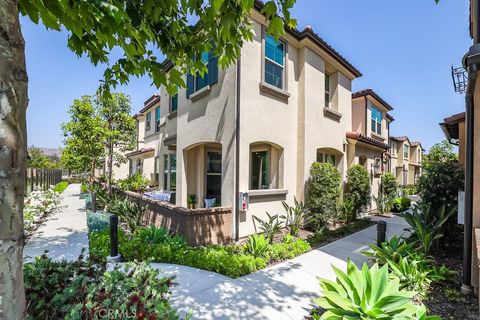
212 68
190 85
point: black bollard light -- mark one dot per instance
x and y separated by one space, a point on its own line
381 232
113 235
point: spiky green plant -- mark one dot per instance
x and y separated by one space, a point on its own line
257 245
269 227
392 249
295 217
367 294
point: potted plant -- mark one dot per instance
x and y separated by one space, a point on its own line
191 201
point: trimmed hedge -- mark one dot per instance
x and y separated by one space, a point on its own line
231 261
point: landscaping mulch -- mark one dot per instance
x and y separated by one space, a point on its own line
446 300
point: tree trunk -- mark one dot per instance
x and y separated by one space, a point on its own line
13 142
92 172
109 166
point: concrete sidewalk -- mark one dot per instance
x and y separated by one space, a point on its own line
283 291
64 234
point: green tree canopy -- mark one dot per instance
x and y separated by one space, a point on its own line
84 137
140 30
38 159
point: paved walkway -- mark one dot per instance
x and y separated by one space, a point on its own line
65 233
283 291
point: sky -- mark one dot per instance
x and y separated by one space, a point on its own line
404 49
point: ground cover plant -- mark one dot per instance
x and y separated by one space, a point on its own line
80 289
39 205
61 186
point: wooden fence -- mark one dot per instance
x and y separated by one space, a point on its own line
42 179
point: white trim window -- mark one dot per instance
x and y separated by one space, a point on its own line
376 121
393 148
406 150
274 62
327 90
327 158
148 120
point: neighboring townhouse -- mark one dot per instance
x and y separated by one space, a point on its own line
368 138
246 137
454 129
405 160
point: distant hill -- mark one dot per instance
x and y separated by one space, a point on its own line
51 152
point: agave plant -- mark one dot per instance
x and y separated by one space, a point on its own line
269 227
412 274
367 294
257 245
390 250
295 217
426 225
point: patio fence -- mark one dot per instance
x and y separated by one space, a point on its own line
41 178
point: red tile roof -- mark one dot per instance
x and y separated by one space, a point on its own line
370 92
363 138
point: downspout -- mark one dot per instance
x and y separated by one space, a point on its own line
237 155
471 62
366 116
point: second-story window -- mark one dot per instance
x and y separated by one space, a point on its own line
174 103
327 91
274 62
197 82
406 149
148 121
157 119
376 121
393 148
419 156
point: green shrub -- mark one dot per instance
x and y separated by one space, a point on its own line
388 183
61 186
442 177
128 211
367 294
357 189
401 204
83 188
138 292
392 250
322 193
99 243
97 221
53 287
427 225
387 192
269 227
160 235
136 183
295 217
233 261
288 249
257 245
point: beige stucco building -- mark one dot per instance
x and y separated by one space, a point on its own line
368 137
405 160
247 136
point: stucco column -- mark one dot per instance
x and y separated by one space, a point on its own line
351 152
476 182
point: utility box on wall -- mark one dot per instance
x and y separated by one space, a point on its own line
461 207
